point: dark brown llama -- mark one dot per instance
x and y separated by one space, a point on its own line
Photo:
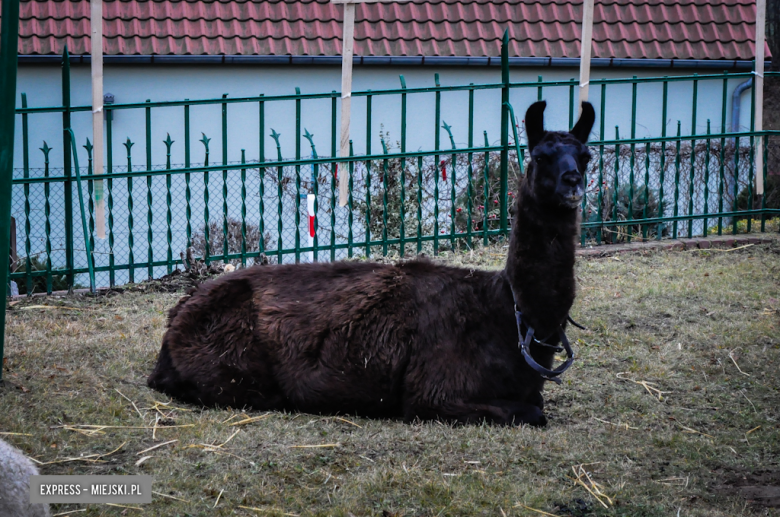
411 340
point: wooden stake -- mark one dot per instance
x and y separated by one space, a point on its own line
346 89
759 84
96 22
346 97
587 39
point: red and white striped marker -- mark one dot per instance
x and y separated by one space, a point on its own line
310 206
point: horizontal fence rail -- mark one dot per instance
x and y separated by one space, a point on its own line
220 207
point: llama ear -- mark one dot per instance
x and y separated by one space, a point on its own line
582 128
534 123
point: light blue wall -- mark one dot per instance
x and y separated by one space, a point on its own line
162 83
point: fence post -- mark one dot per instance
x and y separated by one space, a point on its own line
758 92
90 191
225 220
130 221
9 35
368 177
297 175
261 188
168 215
403 168
47 214
187 191
26 167
279 193
84 228
436 142
109 193
504 131
67 157
149 214
333 173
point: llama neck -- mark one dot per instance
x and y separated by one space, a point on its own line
540 263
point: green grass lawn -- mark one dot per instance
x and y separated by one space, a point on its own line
672 408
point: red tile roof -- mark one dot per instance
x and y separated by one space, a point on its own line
663 29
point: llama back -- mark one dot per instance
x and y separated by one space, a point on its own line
15 472
173 311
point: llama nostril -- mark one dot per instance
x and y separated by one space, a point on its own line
571 178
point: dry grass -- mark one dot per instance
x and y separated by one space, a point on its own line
674 397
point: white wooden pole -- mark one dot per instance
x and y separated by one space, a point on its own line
346 89
759 85
96 22
346 97
587 39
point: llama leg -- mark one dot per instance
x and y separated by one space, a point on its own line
502 412
525 412
535 399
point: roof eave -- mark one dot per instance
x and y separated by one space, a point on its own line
552 62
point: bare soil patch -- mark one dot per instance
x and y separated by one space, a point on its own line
761 488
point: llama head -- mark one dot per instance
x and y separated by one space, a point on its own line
559 159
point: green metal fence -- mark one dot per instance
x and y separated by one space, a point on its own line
9 33
400 202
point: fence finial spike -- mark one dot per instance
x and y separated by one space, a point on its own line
276 136
88 147
448 129
309 136
205 141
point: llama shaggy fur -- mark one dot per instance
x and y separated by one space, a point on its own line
15 472
413 340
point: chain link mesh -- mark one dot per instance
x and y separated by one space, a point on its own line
400 206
